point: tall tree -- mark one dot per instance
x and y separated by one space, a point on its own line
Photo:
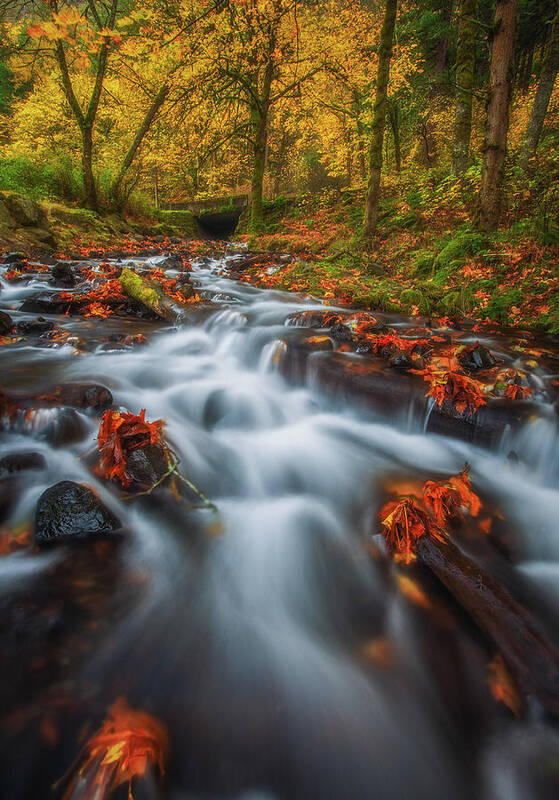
379 121
497 121
550 68
465 61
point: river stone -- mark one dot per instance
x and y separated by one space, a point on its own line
476 358
62 274
34 326
21 462
24 210
13 258
147 465
400 361
6 323
44 303
69 511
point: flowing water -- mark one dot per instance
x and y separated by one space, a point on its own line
255 634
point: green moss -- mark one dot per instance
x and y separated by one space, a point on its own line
464 242
183 221
456 302
415 297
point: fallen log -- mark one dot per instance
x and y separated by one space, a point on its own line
531 660
150 295
410 529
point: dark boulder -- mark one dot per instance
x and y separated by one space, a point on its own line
13 258
6 323
69 511
34 326
401 361
171 262
44 303
63 427
147 465
475 358
341 333
62 274
21 462
80 395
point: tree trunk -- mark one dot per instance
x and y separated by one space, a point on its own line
258 168
497 122
442 44
465 57
90 188
379 120
548 76
153 110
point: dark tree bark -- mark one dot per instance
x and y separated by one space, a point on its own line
497 122
442 44
465 57
548 76
379 121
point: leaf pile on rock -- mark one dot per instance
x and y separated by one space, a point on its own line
128 744
120 433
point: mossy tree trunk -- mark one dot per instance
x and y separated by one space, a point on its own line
379 121
497 122
465 61
550 68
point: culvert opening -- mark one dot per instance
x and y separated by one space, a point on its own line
218 225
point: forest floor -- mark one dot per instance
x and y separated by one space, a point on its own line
429 258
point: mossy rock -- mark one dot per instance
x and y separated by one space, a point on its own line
183 221
422 264
415 297
463 243
79 217
6 219
456 302
25 211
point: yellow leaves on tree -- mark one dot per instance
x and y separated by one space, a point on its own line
128 743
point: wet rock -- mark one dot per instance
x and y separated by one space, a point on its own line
34 326
475 358
312 319
13 258
21 462
63 275
64 427
6 323
69 511
113 347
147 465
401 361
44 303
171 262
80 395
341 333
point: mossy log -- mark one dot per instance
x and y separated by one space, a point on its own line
151 295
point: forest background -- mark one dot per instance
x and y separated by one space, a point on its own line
406 152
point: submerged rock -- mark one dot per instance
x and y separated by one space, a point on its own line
6 323
35 326
62 274
44 303
69 511
21 462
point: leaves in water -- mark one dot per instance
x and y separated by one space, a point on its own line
445 498
123 748
502 685
404 522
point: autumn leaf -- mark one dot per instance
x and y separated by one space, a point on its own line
502 685
460 390
404 522
445 498
127 744
119 434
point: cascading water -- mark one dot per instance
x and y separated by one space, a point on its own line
249 633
